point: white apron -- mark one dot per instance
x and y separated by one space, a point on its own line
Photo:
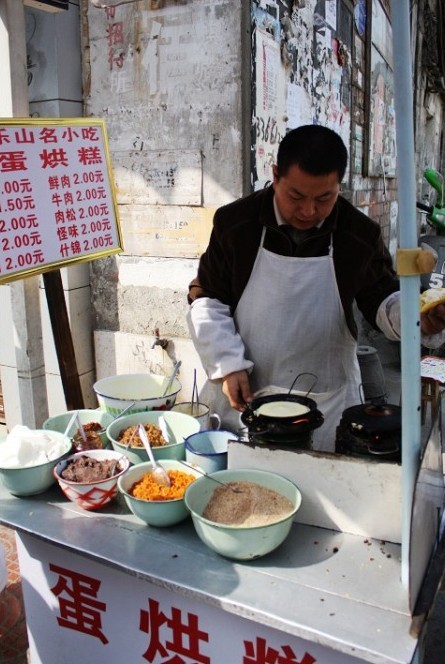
291 321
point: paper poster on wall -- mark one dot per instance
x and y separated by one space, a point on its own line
269 105
298 106
57 200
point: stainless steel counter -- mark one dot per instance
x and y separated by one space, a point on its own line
338 590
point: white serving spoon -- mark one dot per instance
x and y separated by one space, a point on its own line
159 473
165 429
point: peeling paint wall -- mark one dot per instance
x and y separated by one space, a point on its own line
167 79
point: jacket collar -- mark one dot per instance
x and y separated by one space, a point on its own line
267 213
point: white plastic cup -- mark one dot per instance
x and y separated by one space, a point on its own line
208 449
201 412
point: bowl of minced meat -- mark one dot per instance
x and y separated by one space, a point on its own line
248 517
89 478
166 431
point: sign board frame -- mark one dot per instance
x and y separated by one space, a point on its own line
68 179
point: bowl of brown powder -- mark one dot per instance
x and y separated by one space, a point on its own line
248 517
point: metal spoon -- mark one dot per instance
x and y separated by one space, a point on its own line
116 417
199 470
171 378
159 473
123 456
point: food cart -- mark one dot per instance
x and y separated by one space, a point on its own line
348 585
102 586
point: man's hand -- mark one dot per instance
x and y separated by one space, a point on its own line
433 321
237 389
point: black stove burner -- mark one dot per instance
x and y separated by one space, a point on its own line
373 418
357 442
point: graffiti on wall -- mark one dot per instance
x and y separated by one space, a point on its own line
302 69
382 145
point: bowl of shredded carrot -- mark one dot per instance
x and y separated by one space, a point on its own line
155 504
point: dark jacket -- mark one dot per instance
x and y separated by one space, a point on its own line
363 265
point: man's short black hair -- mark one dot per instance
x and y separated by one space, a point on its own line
315 149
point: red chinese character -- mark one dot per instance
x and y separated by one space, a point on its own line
76 248
98 176
38 257
90 134
173 651
53 158
56 199
70 214
48 135
115 33
80 610
108 241
88 156
260 653
31 221
64 250
4 136
13 161
69 134
25 186
68 198
65 181
53 182
35 239
59 217
28 203
73 231
24 136
110 12
62 233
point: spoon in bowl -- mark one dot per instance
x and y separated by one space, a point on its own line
235 489
159 473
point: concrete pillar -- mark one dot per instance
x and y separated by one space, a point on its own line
21 352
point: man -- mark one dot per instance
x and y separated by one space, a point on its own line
275 289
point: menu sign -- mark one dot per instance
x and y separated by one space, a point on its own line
57 202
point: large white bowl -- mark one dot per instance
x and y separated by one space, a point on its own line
92 495
236 541
179 426
159 513
30 481
114 393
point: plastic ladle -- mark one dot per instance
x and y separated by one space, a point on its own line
159 473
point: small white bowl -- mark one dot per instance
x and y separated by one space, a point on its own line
114 393
92 495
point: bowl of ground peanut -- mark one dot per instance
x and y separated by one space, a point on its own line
248 516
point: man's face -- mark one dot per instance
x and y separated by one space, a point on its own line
305 200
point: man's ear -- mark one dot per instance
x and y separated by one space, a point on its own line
275 173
